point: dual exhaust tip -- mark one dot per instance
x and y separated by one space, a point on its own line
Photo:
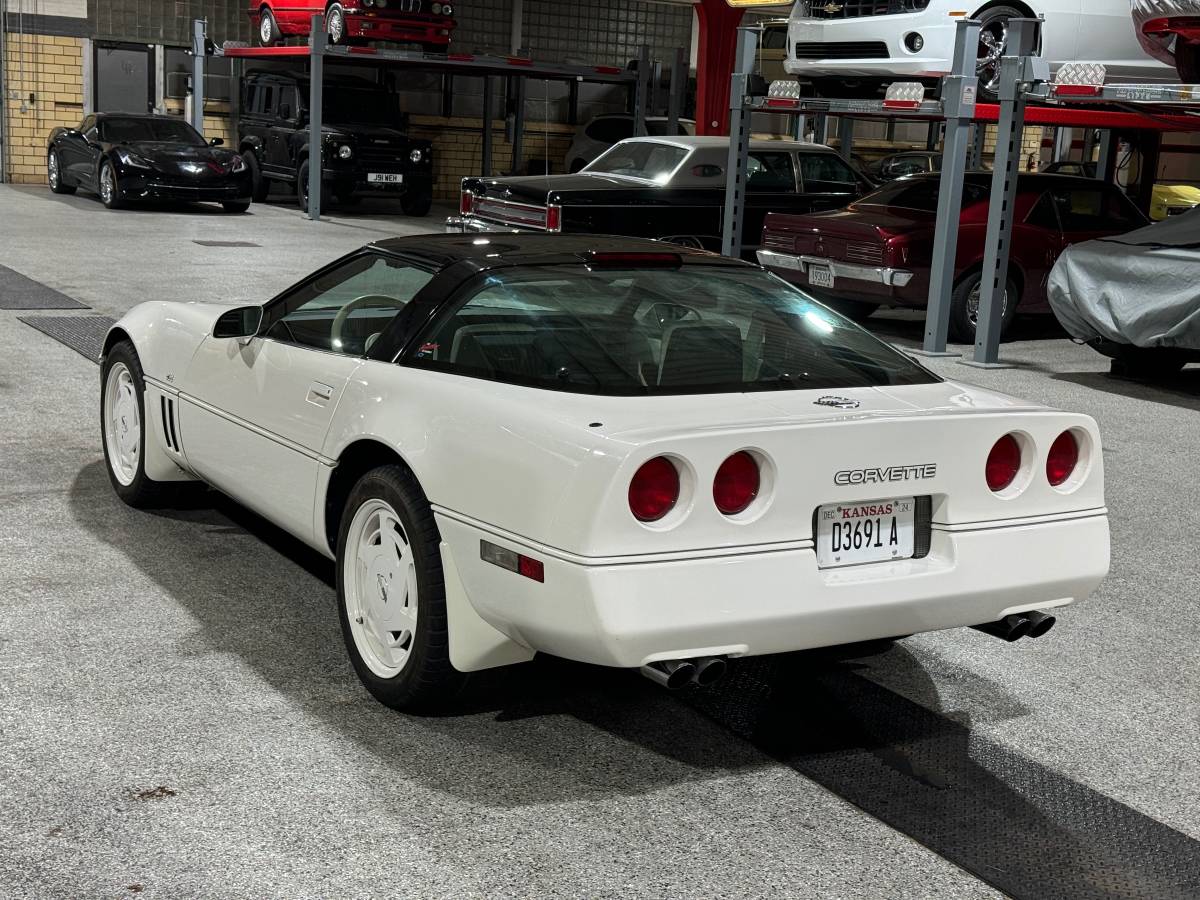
1020 625
674 674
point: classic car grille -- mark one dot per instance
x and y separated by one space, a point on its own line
841 50
855 9
382 159
865 253
784 242
409 6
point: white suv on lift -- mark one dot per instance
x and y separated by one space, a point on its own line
851 47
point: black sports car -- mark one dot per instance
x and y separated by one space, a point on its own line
126 157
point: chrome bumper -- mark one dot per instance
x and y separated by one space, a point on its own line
472 225
873 274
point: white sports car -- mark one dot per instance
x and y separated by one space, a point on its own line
841 44
605 450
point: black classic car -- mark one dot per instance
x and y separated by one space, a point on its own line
364 140
125 157
669 188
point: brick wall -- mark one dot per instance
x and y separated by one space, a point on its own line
50 71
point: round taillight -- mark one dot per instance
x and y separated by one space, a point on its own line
654 490
1063 458
736 484
1003 463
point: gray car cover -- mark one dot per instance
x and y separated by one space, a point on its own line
1144 10
1141 288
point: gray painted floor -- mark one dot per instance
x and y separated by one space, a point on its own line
178 718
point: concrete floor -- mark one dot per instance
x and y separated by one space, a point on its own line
178 717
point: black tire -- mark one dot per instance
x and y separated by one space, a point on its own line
260 186
1150 363
963 318
416 204
233 206
335 23
427 680
1187 61
852 309
302 188
268 29
110 194
993 23
55 176
141 492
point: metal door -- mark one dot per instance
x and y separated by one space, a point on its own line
124 78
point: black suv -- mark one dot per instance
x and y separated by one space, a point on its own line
366 147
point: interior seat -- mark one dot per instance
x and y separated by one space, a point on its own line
696 353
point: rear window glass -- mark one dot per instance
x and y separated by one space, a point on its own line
1095 209
655 331
921 194
641 159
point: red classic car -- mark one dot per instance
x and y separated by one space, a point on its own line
1169 30
878 250
404 21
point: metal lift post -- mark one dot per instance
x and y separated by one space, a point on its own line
679 78
959 92
739 145
198 61
316 84
1018 69
488 103
846 138
642 96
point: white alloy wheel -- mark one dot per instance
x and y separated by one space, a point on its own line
52 169
122 423
380 578
336 24
266 29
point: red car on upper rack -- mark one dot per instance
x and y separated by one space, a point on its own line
878 251
403 21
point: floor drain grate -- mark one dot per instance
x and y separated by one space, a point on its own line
83 334
227 243
19 292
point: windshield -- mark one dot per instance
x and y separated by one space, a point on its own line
641 159
361 106
698 329
133 130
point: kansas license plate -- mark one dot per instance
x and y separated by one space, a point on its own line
850 534
384 178
820 276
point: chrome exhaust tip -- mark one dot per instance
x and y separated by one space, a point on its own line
1039 623
710 670
672 674
1010 628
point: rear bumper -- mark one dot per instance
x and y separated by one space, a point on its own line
476 225
790 264
626 613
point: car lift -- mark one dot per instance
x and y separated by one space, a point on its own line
318 51
1023 77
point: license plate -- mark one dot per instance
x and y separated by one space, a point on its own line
384 178
851 534
820 276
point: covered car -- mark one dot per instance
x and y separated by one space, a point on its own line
1135 292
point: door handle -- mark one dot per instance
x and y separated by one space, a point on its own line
319 394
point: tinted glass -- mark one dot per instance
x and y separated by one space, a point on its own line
774 172
1043 215
360 106
1086 209
826 173
610 130
641 159
655 331
774 38
921 194
121 131
345 311
906 165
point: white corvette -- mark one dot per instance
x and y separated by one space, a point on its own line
607 451
844 41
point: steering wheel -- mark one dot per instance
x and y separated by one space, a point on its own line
339 321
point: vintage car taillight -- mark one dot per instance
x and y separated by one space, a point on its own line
736 484
466 203
654 490
1063 458
554 218
1003 463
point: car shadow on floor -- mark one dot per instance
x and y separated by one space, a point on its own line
555 731
84 201
1182 389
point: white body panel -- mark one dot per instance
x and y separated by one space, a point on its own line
546 473
1075 30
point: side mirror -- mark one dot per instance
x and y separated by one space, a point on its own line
217 142
285 110
242 322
